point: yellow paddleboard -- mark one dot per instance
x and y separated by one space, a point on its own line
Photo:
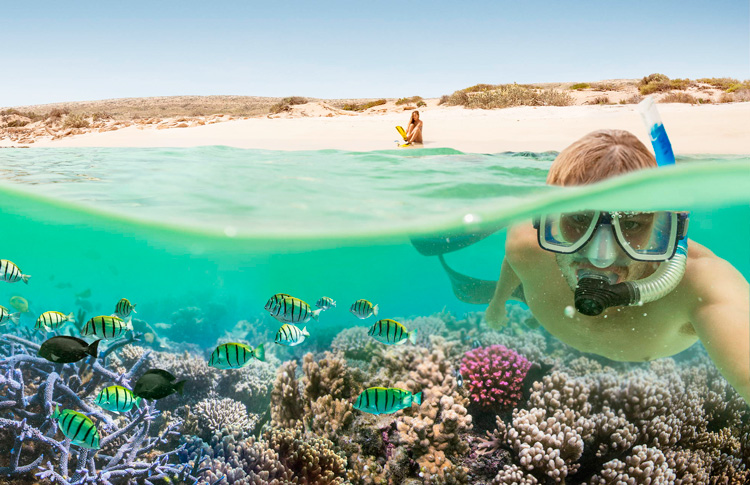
401 132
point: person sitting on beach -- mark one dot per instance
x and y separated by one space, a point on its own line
414 130
545 264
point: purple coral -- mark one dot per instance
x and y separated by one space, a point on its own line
494 375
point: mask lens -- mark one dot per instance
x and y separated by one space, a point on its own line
649 235
568 231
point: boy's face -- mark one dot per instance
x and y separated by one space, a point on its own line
622 269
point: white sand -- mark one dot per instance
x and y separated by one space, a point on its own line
693 129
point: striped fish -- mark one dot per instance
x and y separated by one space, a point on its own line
117 399
49 321
294 310
325 303
9 272
385 400
391 332
6 316
78 427
234 355
274 301
363 309
290 335
123 309
106 326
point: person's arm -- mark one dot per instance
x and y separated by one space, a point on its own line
721 318
507 283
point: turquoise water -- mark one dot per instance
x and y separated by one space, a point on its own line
200 238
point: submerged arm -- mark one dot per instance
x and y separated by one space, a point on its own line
722 321
507 283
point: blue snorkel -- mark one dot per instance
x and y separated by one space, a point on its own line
594 293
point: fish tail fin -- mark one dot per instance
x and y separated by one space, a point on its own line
56 412
417 398
71 317
93 349
137 402
15 317
333 303
179 387
413 336
375 310
133 310
305 332
316 314
260 352
25 278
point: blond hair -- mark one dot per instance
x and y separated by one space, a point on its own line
599 155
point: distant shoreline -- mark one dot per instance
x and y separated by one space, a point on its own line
712 127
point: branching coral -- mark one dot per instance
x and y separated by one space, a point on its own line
493 376
28 420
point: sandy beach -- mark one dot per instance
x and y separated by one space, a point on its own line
694 129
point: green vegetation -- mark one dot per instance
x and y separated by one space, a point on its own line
606 87
421 104
362 107
737 86
678 98
506 95
286 104
413 99
579 86
722 83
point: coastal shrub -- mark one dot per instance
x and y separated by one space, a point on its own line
579 86
286 104
17 123
507 95
741 95
634 99
413 99
680 83
57 113
722 83
459 98
101 115
421 104
606 87
362 107
654 83
737 86
679 97
600 100
480 88
76 121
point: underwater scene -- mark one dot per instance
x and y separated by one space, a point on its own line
220 316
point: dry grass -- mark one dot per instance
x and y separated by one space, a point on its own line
679 97
600 100
286 104
506 95
634 99
412 100
579 86
363 106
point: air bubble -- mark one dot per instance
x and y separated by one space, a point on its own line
645 314
570 311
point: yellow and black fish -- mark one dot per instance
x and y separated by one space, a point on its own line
274 301
363 309
6 316
325 303
52 320
124 308
106 327
63 349
234 355
385 400
78 427
11 273
290 335
294 310
391 332
117 399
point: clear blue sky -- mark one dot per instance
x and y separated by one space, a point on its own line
84 50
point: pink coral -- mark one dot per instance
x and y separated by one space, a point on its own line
493 375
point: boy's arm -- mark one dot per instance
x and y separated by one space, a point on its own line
496 316
722 320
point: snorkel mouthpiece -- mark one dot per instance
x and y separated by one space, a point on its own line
594 294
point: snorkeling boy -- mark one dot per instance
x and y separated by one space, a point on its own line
583 257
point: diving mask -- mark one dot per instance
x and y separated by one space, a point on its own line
643 236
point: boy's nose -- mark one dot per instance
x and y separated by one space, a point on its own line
601 251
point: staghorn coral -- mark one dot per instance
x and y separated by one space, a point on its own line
494 375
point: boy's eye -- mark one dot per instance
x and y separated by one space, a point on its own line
630 225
